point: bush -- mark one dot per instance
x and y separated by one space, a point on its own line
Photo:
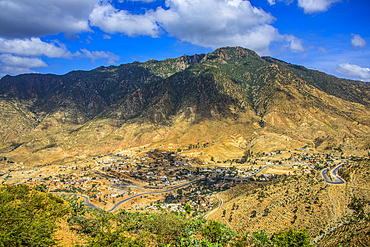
292 238
217 232
28 217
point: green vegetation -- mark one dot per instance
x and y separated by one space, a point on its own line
284 239
30 218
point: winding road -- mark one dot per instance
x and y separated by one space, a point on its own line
89 204
154 192
337 180
87 200
334 172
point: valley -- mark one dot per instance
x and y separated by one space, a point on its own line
169 179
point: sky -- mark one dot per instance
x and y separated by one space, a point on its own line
58 36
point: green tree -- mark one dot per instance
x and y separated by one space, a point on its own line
187 208
261 238
217 232
292 238
28 217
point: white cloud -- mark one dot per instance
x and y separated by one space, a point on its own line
358 41
21 62
215 23
14 65
294 43
315 6
94 55
106 36
25 18
353 71
273 2
33 47
9 70
111 20
207 23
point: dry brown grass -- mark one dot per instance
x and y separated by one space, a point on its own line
293 202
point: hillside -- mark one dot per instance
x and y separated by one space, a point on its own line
231 99
332 214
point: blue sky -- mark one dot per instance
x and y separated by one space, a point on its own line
58 36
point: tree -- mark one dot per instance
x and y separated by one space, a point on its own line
254 214
216 232
261 238
28 217
266 211
292 238
187 208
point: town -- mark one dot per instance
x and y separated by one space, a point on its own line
169 178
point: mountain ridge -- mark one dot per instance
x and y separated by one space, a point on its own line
202 98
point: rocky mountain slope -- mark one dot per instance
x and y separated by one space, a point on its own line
231 99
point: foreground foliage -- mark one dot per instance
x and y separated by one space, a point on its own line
171 229
30 218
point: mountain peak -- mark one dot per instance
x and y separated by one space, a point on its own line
235 52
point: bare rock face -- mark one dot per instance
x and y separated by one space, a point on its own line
202 98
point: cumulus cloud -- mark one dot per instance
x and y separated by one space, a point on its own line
25 18
19 55
207 23
358 41
94 55
21 62
353 71
215 23
9 70
294 43
14 65
33 47
271 2
315 6
111 20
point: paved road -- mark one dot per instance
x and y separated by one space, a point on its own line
87 200
151 193
334 172
89 204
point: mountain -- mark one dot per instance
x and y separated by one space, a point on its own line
230 100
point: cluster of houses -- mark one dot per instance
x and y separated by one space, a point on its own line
156 169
